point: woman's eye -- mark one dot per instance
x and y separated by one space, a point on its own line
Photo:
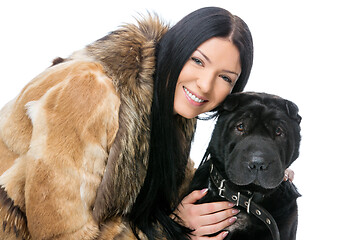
197 61
226 78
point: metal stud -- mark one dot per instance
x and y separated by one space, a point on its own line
247 204
258 212
268 221
236 198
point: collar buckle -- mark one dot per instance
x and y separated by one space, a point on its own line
222 188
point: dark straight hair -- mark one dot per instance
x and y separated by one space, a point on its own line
168 150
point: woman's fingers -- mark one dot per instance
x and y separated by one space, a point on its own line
194 196
198 215
205 218
210 208
217 217
213 218
220 236
214 228
289 175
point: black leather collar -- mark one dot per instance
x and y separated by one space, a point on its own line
244 200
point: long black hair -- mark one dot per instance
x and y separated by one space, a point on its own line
168 150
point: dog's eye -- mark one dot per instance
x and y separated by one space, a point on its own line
240 127
278 131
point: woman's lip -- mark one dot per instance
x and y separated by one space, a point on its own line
193 98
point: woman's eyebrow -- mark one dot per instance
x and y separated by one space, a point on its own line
208 59
237 74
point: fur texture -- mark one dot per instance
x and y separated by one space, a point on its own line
74 143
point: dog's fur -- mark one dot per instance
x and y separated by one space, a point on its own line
256 137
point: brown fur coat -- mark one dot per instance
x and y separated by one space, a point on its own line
74 143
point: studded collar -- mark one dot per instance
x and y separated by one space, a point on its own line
244 200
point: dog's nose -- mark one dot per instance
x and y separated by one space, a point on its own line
258 163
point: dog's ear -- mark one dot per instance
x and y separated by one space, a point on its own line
230 102
293 111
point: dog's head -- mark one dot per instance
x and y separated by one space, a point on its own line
256 137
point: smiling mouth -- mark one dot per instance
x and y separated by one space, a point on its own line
193 97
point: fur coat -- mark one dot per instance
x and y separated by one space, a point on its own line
74 143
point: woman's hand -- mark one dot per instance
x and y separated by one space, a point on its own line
206 218
289 175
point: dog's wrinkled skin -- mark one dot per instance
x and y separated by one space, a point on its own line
256 137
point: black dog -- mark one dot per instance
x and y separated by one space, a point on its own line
256 137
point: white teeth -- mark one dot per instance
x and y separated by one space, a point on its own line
193 97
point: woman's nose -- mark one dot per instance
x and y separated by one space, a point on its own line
206 82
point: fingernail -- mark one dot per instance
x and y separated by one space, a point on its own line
231 204
204 190
235 211
225 234
286 177
232 220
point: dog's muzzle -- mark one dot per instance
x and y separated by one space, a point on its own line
254 162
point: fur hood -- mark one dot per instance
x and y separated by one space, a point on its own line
111 143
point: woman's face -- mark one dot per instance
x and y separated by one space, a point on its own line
207 77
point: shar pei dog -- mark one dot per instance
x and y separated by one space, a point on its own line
256 137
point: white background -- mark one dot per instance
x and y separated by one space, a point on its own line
305 51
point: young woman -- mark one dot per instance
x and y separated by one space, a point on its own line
97 146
